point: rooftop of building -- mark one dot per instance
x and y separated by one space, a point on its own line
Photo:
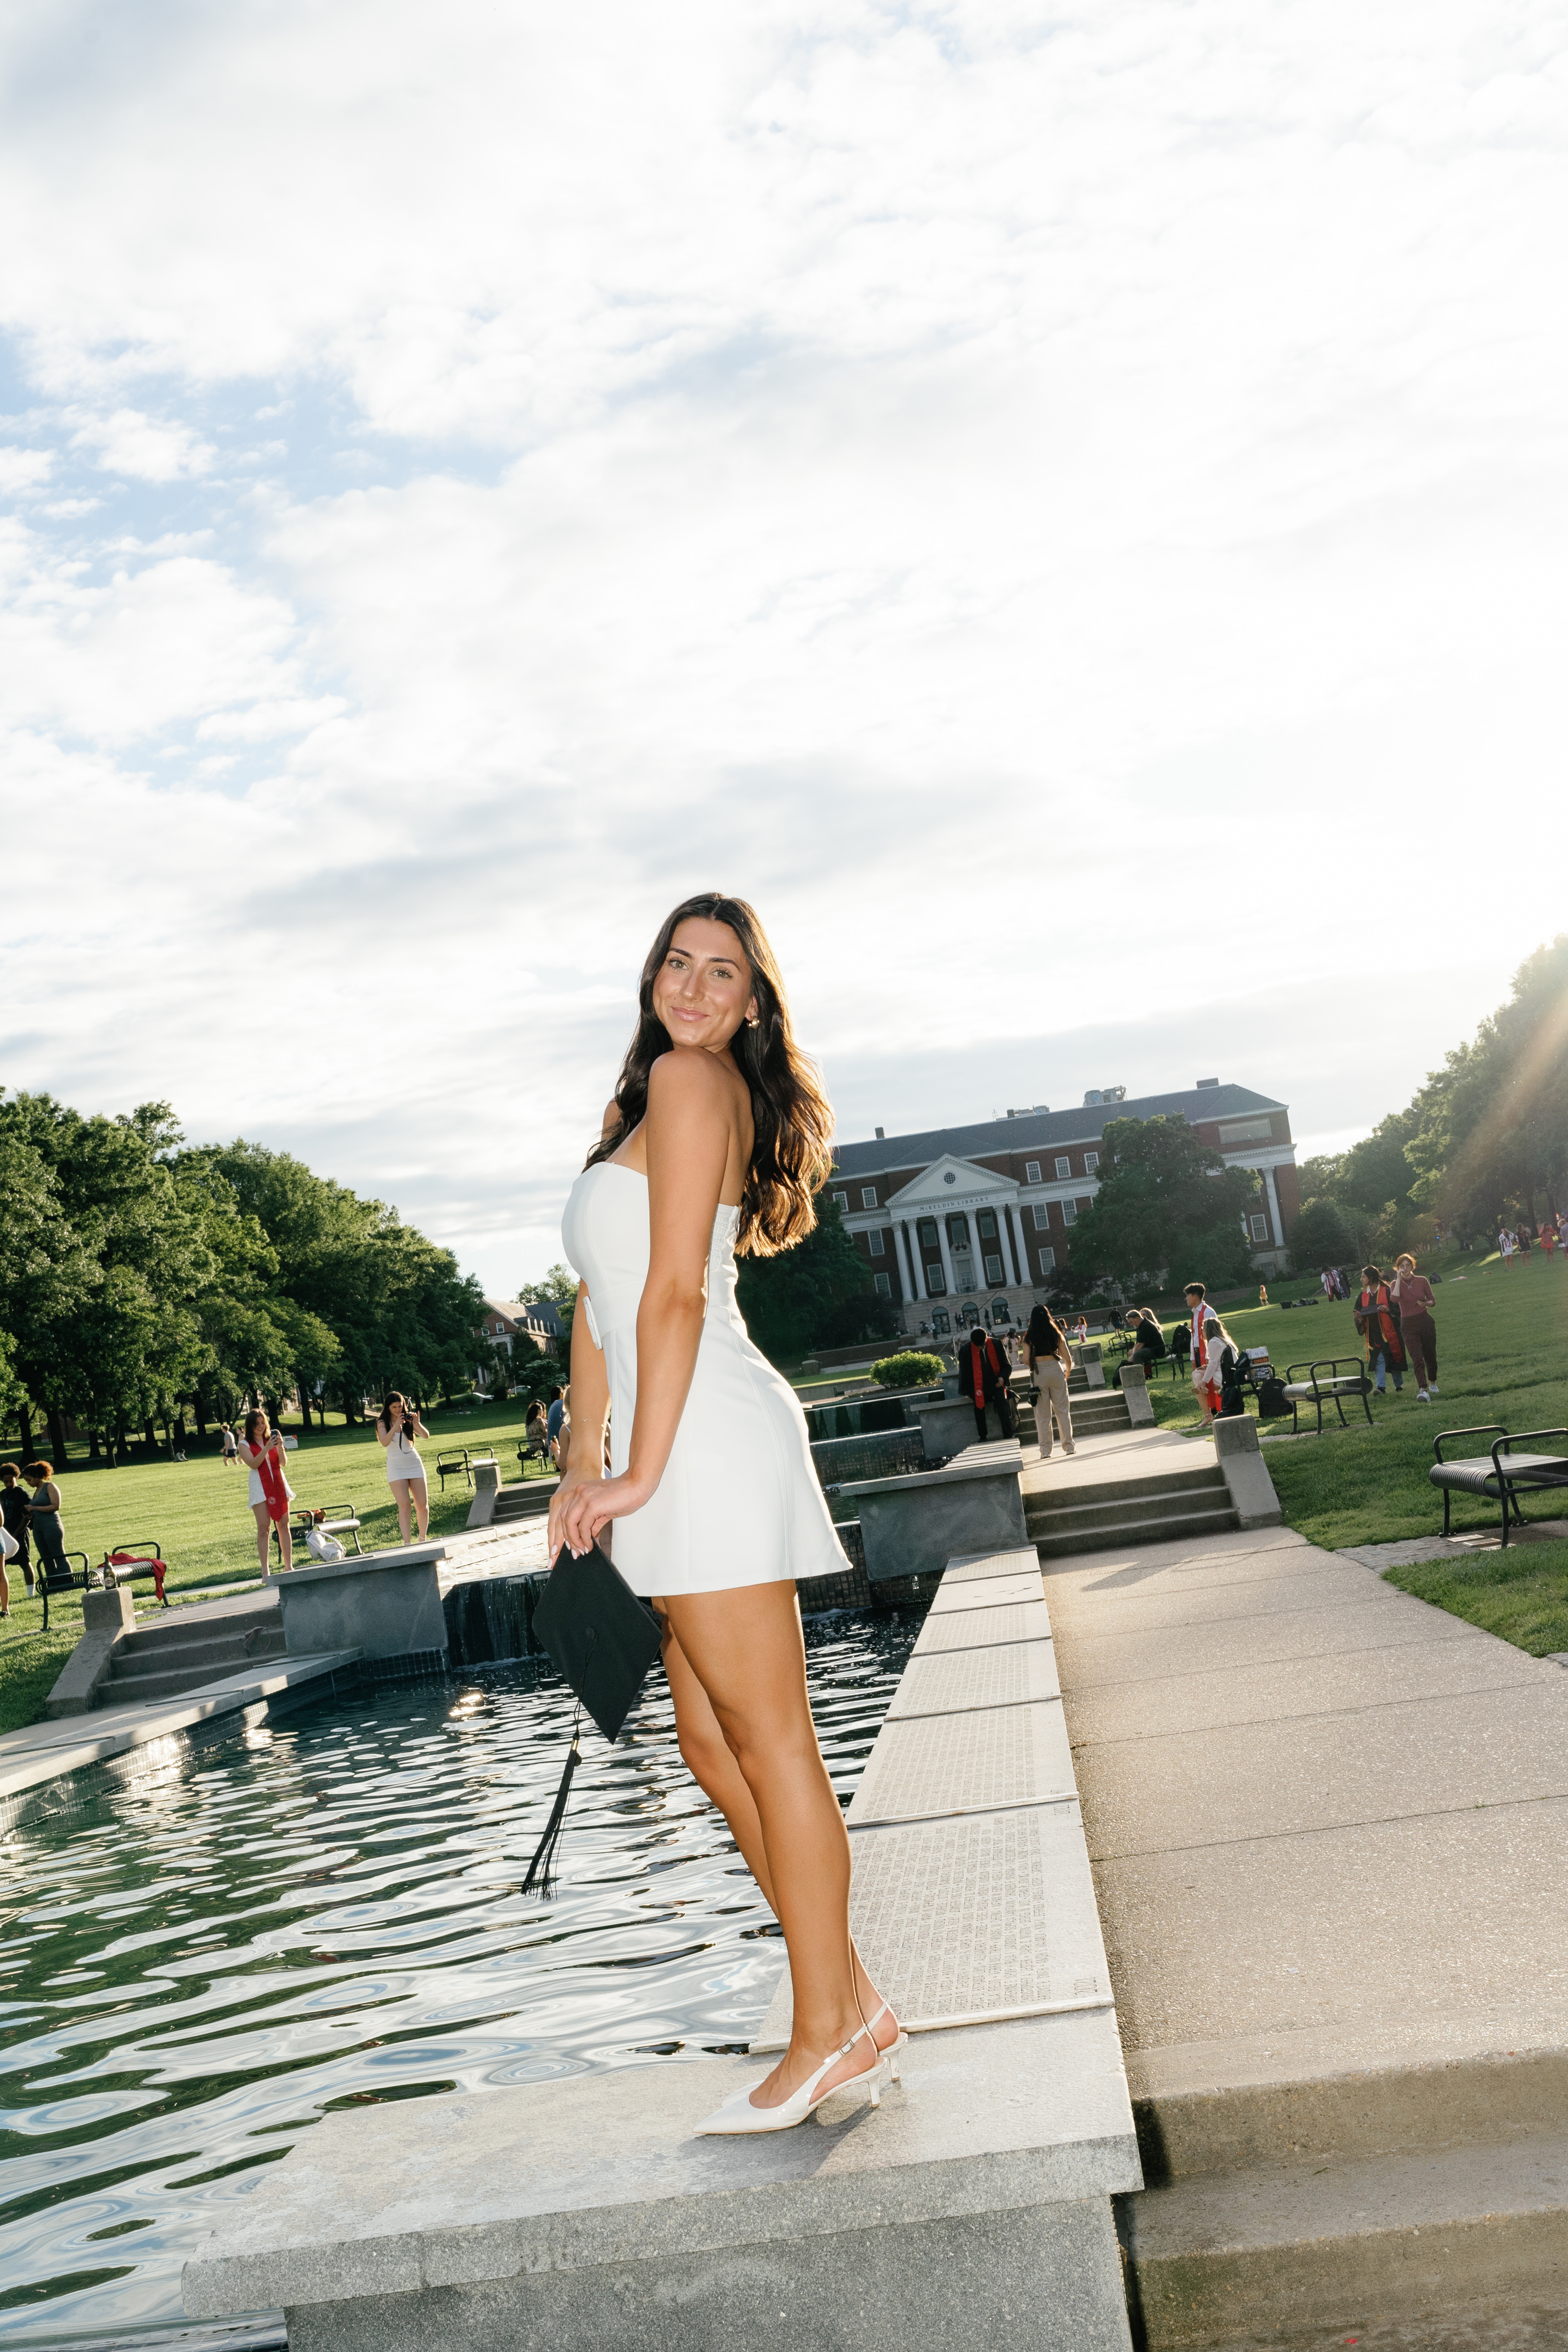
1032 1130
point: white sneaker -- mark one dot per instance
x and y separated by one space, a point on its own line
1433 1390
1422 1397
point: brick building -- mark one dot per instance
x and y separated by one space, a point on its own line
970 1224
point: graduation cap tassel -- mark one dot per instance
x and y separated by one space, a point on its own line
541 1868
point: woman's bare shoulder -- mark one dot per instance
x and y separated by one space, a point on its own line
688 1080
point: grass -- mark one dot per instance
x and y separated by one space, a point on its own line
1502 1340
197 1511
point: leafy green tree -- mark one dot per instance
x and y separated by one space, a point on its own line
818 1294
559 1286
1489 1130
1325 1234
48 1270
1168 1209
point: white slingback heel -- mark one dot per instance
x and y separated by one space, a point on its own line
890 2054
738 2115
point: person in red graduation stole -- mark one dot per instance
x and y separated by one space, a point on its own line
1377 1320
261 1453
982 1375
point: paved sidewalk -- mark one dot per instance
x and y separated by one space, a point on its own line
1329 1822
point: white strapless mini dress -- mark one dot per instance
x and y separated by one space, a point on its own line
739 1502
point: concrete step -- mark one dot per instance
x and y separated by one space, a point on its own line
1053 1544
523 1502
173 1637
1127 1510
130 1690
1127 1495
1417 2193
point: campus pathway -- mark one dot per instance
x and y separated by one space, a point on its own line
1329 1822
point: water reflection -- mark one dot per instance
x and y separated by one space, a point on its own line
212 1949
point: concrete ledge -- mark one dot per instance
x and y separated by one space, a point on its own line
1134 1385
386 1604
486 1486
108 1617
1252 1493
913 1526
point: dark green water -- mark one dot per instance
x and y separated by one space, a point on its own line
204 1953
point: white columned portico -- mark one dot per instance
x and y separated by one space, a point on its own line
1274 1218
1005 1236
946 1257
906 1286
917 1267
1026 1271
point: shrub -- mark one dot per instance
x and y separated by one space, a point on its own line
912 1370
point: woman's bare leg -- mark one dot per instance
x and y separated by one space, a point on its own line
421 1493
263 1534
400 1493
286 1543
707 1757
745 1649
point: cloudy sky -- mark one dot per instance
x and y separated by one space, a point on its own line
1061 507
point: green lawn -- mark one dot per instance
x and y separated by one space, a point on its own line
196 1511
1502 1343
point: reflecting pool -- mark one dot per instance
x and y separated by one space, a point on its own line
201 1954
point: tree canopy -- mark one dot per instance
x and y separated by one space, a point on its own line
146 1278
819 1294
1168 1211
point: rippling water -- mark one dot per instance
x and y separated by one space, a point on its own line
207 1954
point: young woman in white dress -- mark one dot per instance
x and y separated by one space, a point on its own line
715 1142
398 1427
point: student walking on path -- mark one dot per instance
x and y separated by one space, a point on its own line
983 1378
17 1519
1377 1320
1412 1294
1050 1359
398 1427
261 1453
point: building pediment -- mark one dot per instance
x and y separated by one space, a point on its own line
948 1182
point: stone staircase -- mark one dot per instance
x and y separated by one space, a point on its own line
528 1499
178 1653
1091 1514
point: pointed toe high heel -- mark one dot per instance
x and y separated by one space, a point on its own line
737 2116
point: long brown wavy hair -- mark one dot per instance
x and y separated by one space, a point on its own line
792 1154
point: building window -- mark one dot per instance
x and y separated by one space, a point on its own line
884 1283
1064 1168
878 1246
1069 1212
1091 1162
958 1231
1042 1217
841 1201
987 1222
1000 1311
1260 1229
868 1196
927 1231
1031 1171
1048 1260
993 1266
936 1282
939 1321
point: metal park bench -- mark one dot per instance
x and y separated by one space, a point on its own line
50 1580
139 1557
1498 1476
337 1519
1339 1385
458 1462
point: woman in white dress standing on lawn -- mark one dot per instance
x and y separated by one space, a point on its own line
398 1428
715 1142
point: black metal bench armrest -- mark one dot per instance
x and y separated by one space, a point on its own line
1331 1364
1486 1429
1535 1477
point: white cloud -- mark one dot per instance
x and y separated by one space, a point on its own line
24 469
1066 514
